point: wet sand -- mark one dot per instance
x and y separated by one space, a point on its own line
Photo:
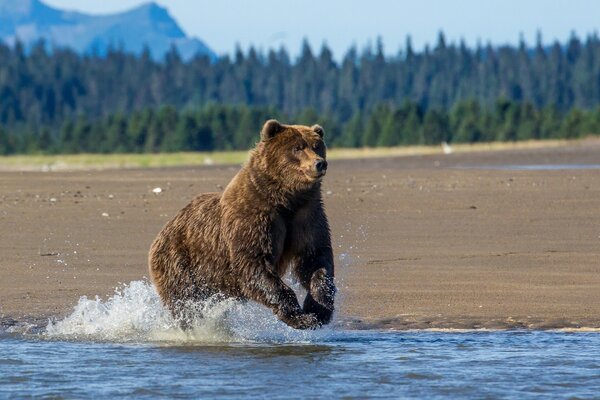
437 241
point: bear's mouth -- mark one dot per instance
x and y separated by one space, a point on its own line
314 175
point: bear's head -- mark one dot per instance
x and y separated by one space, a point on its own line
295 154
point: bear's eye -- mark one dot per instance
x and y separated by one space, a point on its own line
298 148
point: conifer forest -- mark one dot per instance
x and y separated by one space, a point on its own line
57 101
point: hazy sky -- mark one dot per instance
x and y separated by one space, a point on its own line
341 23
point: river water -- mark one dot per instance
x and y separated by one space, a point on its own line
340 364
127 346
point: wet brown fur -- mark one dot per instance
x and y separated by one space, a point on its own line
241 242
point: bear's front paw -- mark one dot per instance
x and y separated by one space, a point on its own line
302 321
313 307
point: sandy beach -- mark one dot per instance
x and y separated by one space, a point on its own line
434 241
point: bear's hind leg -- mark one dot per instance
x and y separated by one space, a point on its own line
182 294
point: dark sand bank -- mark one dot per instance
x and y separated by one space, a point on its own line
420 242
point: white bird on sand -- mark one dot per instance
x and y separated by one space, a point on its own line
446 148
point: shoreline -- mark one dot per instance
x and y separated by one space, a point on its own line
38 326
95 162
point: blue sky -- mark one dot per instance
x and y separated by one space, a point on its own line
341 23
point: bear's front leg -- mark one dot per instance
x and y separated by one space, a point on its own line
315 273
320 297
268 289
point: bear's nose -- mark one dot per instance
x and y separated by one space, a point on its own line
321 165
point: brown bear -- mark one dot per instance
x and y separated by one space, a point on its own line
240 243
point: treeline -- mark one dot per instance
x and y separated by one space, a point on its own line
38 87
60 101
223 127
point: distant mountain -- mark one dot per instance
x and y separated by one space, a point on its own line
147 25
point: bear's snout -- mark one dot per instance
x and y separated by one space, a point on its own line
321 166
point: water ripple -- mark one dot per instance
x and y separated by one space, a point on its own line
345 363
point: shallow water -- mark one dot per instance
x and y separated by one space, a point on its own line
129 346
352 364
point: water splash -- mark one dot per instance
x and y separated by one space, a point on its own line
135 314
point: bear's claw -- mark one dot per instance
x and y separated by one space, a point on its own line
303 321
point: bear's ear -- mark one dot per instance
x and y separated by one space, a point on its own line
270 129
319 130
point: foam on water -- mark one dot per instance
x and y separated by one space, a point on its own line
135 313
